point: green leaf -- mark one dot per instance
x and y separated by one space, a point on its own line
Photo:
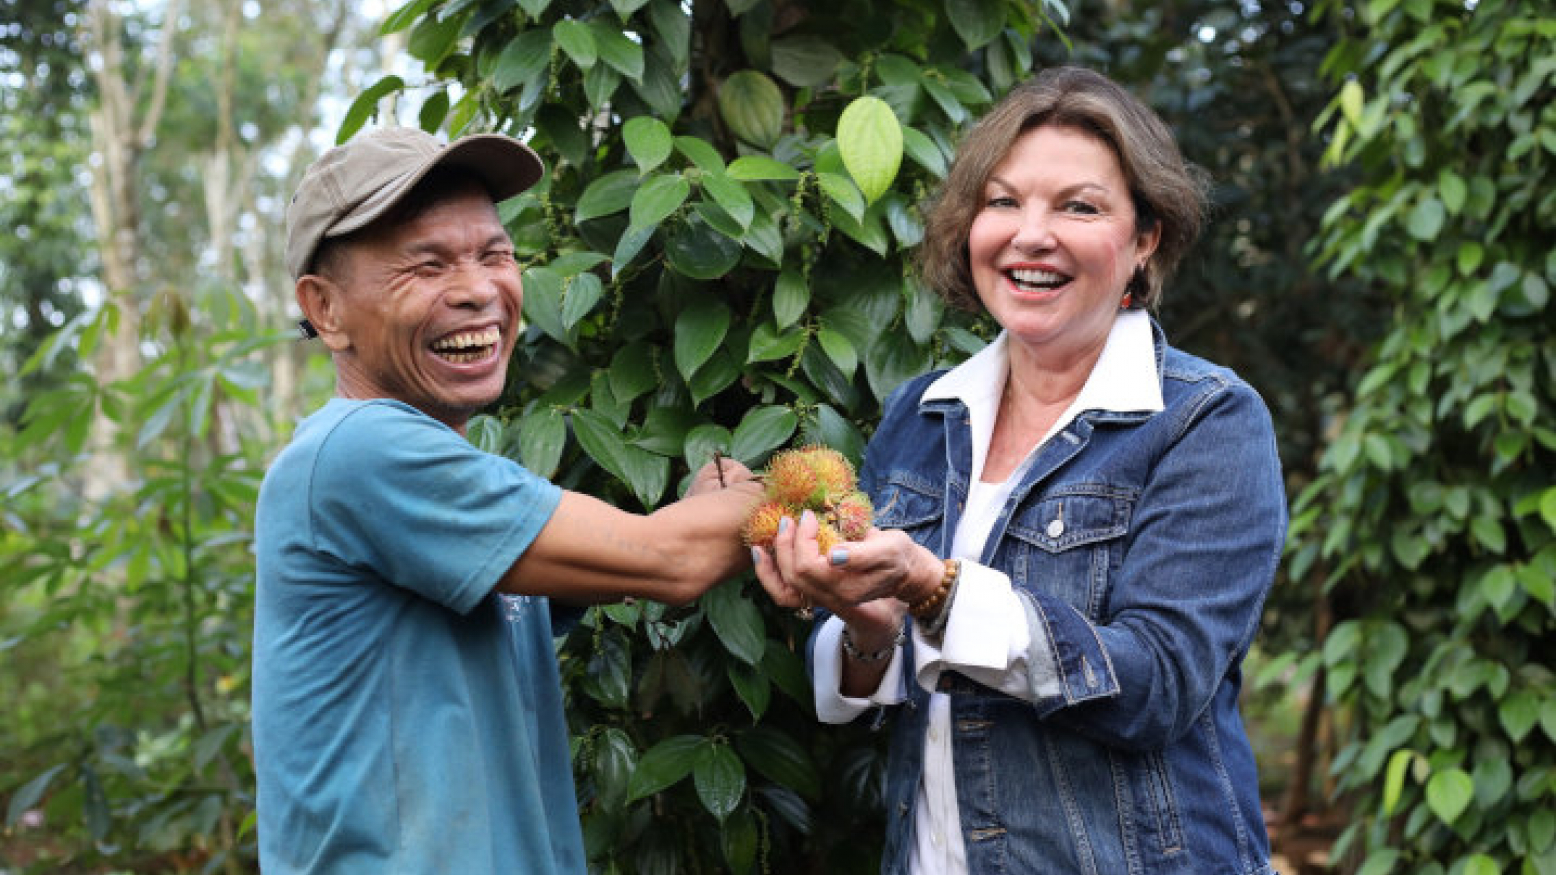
625 8
700 252
582 294
663 765
713 377
617 50
633 370
1352 102
923 150
606 195
753 108
1426 220
523 60
627 248
674 28
736 621
433 38
702 441
753 688
844 193
768 344
615 760
1380 862
730 194
699 330
762 430
1518 713
791 296
701 153
835 430
657 198
404 17
780 759
720 778
542 436
577 41
648 141
804 60
758 168
839 350
1480 864
645 473
977 22
366 106
1448 793
27 798
543 302
869 137
1394 779
894 359
1452 190
600 84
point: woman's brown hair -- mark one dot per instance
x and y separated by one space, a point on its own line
1166 190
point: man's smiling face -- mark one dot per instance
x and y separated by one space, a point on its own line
430 307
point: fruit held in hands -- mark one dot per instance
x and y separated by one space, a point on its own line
814 478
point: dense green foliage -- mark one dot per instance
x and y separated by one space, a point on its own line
717 261
1435 515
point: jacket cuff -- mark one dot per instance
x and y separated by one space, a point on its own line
827 678
1069 643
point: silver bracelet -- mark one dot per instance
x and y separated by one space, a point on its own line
878 655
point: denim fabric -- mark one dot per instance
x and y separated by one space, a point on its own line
1145 545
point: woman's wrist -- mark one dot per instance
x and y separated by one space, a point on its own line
925 581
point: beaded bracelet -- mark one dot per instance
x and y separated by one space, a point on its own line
929 605
877 655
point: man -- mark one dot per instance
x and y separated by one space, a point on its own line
407 709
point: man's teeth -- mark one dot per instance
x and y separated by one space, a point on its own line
467 346
1046 278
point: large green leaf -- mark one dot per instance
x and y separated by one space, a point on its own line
648 141
542 436
699 330
720 779
1448 793
977 22
752 106
698 251
804 60
736 620
781 759
756 168
647 474
582 293
731 194
608 194
762 430
523 60
543 302
616 49
870 140
657 198
790 298
664 764
577 40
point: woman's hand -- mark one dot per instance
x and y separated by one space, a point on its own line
867 583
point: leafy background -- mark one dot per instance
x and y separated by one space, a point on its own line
718 260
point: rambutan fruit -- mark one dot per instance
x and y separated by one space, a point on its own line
854 515
792 480
832 469
827 538
762 525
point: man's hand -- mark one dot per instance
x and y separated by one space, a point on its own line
720 473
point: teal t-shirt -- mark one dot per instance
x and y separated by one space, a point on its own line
407 718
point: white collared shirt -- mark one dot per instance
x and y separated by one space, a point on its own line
986 637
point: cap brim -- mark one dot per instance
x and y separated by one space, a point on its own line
505 165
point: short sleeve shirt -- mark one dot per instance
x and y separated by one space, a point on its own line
407 718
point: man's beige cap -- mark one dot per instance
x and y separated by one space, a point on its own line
355 183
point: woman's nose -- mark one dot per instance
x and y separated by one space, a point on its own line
1034 233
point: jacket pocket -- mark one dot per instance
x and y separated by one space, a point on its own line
914 504
1067 542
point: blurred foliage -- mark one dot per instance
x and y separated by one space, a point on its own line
1435 511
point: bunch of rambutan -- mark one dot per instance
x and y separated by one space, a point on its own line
814 478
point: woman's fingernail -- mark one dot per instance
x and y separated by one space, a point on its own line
783 525
807 516
839 556
756 555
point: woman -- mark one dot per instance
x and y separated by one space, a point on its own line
1077 527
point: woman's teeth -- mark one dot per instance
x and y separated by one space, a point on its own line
1043 279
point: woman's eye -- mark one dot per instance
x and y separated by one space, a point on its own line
1001 201
1081 207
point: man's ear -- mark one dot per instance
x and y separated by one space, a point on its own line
323 303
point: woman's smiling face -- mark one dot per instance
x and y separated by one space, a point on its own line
432 307
1055 242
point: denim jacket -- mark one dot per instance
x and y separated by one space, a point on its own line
1149 592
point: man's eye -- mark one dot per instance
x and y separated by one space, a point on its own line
498 257
428 268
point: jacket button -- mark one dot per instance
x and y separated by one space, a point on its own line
1055 528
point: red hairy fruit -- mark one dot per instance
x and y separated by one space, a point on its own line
854 516
814 478
762 525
